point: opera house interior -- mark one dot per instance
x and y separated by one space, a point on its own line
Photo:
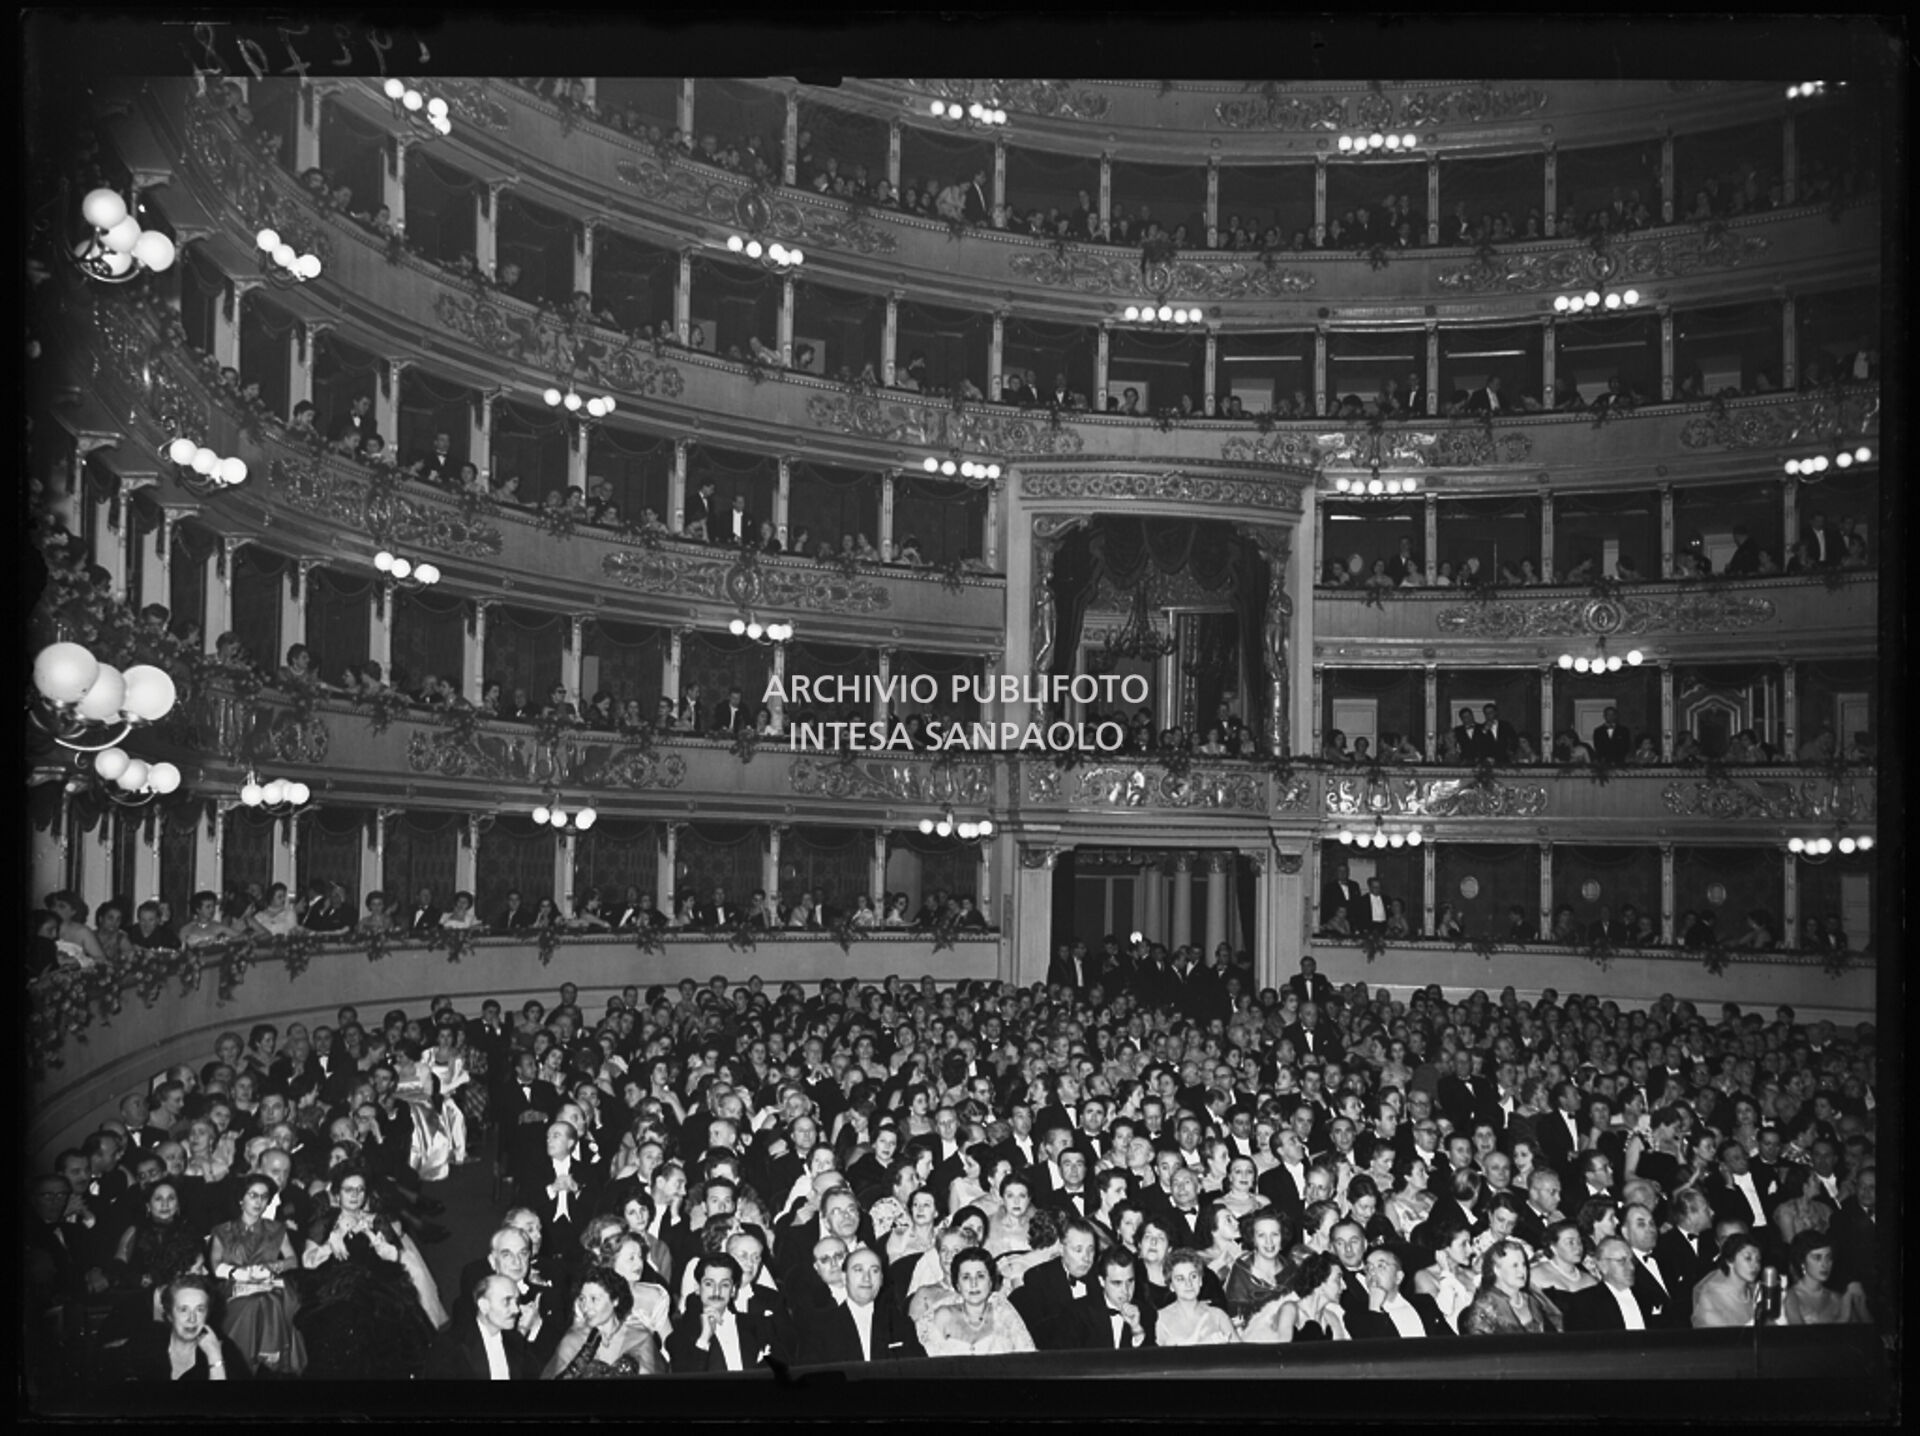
762 725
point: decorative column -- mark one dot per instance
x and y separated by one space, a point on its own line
210 848
1183 899
590 90
1106 193
1219 870
1546 890
293 604
1790 908
996 355
480 434
1213 205
380 628
983 882
286 853
677 487
1317 684
1433 199
1025 954
1429 886
685 113
1790 715
570 666
1320 370
386 402
109 549
664 876
486 200
884 659
1668 733
1153 902
1549 361
1546 708
564 847
306 130
583 258
577 453
1277 915
1666 353
790 143
1433 368
784 336
1546 531
47 871
1210 380
782 498
877 868
1666 531
780 677
1790 510
393 184
1102 356
887 499
1666 179
226 321
373 855
220 590
1319 199
93 849
156 555
999 184
1434 725
1789 348
1666 893
893 155
1432 555
890 338
990 540
770 860
475 654
1553 190
683 297
670 679
1789 190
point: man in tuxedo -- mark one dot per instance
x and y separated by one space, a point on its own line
516 916
736 526
1311 1041
423 918
485 1345
525 1093
438 465
731 715
1073 967
1020 1148
1612 740
1856 1237
1488 400
357 425
1404 564
714 1337
1497 738
1607 930
701 519
1466 738
718 913
1685 1250
1048 1292
1736 1191
1558 1131
1825 547
1468 1097
1653 1286
1617 1303
540 1317
1342 894
1348 1242
1389 1312
559 1188
1108 1318
1308 984
977 206
1744 562
1074 1198
1542 1209
862 1329
1369 914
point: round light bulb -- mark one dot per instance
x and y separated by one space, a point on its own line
1635 657
1846 845
1131 313
1566 660
284 254
1593 298
401 568
986 827
110 764
606 403
1795 845
754 249
993 471
298 793
1843 460
1820 464
1576 304
154 250
1375 140
1374 486
949 468
926 826
383 561
736 243
1413 838
103 208
1793 466
427 573
1346 144
163 778
1863 453
1393 142
307 266
1409 141
233 471
437 108
754 631
205 461
1580 664
181 451
412 99
1346 837
1340 484
107 698
794 256
594 410
585 819
965 830
943 828
572 402
149 695
1613 664
1166 312
1560 304
1411 482
939 107
1864 843
557 818
121 237
395 89
1395 840
737 627
1632 297
540 816
931 465
552 398
134 777
777 252
252 794
1613 301
275 792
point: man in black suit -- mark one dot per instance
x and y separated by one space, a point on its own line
1466 738
718 913
1341 894
1469 1097
484 1344
863 1329
1047 1293
977 206
1497 738
516 916
731 714
736 526
357 424
1310 1040
1745 559
714 1337
1612 740
525 1093
701 519
1618 1302
1404 564
1653 1285
1309 984
1369 911
1736 1191
1488 400
1825 547
1607 930
438 465
560 1189
1108 1318
1685 1250
1073 967
1185 1222
423 918
1388 1311
1558 1132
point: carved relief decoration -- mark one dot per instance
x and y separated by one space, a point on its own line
1092 272
741 205
597 355
1464 446
940 427
1289 863
471 104
1666 257
385 515
1116 786
570 759
1175 487
895 781
1632 613
747 585
1048 99
1433 798
1295 795
1853 412
1273 109
1823 802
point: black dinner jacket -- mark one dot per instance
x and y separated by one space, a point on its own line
829 1336
422 921
1594 1309
1044 1298
458 1354
1087 1324
756 1343
1369 1323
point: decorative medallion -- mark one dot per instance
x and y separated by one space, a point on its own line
1590 890
1469 887
1716 894
1632 614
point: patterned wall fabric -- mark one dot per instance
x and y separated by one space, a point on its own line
514 857
420 853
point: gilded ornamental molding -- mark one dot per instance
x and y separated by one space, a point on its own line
569 758
1174 487
549 345
739 204
1099 273
745 584
1631 613
1122 786
1730 799
471 104
1272 108
1047 99
892 781
930 426
1670 256
1852 412
1463 446
1433 798
384 513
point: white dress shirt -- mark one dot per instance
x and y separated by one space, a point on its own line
1743 1184
1629 1306
561 1167
862 1314
727 1333
1405 1319
1378 905
496 1349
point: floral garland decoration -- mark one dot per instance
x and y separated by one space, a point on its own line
745 742
549 943
740 936
382 707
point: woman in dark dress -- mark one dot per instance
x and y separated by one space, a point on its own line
158 1248
186 1346
252 1256
367 1314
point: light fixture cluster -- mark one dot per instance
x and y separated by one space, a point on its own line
402 570
1375 487
119 249
552 815
1846 845
135 778
1601 662
1376 143
84 696
968 830
415 105
281 262
1382 836
1814 467
1806 89
751 627
277 795
780 256
1594 299
964 468
203 467
978 113
597 407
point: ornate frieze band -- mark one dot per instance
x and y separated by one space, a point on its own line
556 348
897 781
1667 257
1047 99
1632 613
941 426
1087 272
1274 109
1853 412
385 515
1433 798
747 585
752 208
1824 802
1119 786
1174 487
569 759
1464 446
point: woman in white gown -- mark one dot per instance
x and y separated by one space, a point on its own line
449 1068
981 1322
432 1149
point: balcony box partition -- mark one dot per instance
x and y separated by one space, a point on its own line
1580 701
932 158
1054 188
1372 531
1500 532
1268 372
613 855
430 406
1374 704
1598 530
854 142
1482 882
1470 357
1723 884
726 856
831 504
1592 879
514 856
733 474
1592 351
524 654
1833 327
833 862
718 663
331 843
1721 173
732 306
918 864
1516 693
1173 196
1591 179
1842 694
1046 354
443 207
342 373
202 287
814 661
275 103
258 577
1164 367
1511 188
638 466
633 281
746 119
1709 512
624 660
1714 702
1357 186
338 604
246 850
530 444
1729 350
1836 142
1267 196
652 102
954 343
266 349
353 152
192 545
429 637
837 333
